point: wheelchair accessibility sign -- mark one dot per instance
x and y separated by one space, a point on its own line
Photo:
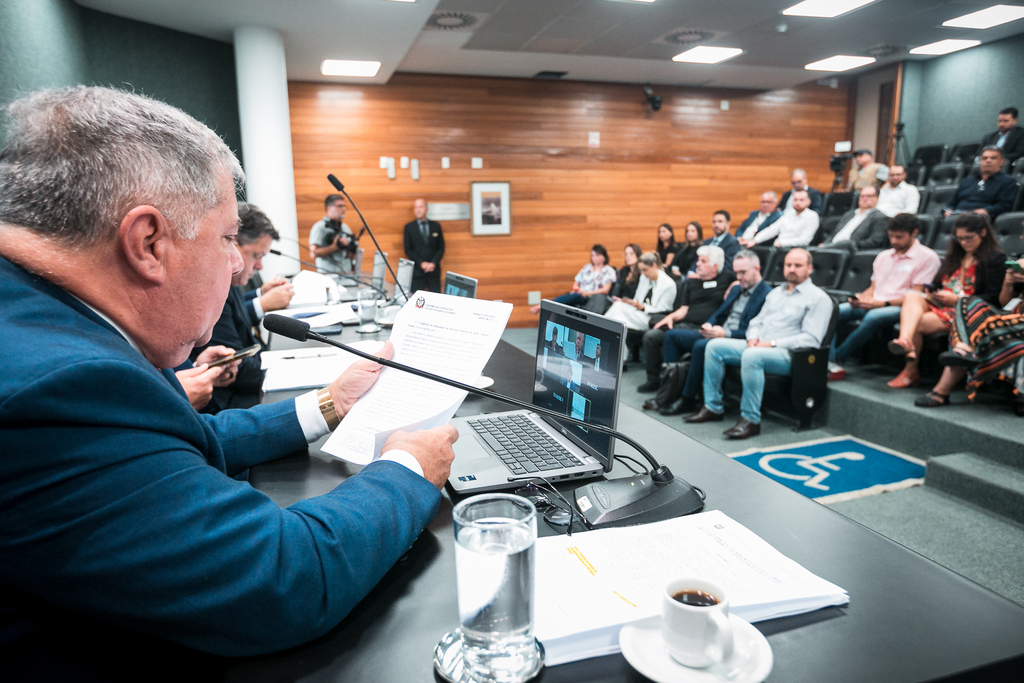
835 469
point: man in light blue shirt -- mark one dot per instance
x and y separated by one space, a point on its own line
795 315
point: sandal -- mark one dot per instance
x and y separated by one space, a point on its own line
904 380
958 360
932 399
901 347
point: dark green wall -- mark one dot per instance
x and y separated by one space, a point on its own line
956 98
46 43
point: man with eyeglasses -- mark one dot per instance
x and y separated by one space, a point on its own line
991 192
798 181
759 219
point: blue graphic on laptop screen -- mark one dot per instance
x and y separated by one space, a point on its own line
576 375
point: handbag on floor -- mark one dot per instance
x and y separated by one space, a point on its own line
671 382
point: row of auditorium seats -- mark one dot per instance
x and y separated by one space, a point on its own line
930 158
933 199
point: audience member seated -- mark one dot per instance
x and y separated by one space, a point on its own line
666 244
695 301
1009 137
908 265
273 295
973 266
988 343
795 315
862 228
866 172
720 237
629 275
654 295
742 302
795 229
897 195
686 252
761 218
597 277
992 192
240 387
798 181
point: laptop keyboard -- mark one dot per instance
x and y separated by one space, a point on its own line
522 445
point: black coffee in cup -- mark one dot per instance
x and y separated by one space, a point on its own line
695 598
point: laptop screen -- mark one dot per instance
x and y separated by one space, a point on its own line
579 364
459 285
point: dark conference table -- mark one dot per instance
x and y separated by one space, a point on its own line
908 619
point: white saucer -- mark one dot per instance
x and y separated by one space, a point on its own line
483 381
644 648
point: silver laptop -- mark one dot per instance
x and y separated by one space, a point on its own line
459 285
578 373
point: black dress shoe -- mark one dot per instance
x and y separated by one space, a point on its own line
677 407
744 429
704 415
649 387
652 404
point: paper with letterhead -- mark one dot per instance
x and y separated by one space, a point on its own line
449 336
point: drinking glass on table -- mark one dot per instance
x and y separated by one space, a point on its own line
367 307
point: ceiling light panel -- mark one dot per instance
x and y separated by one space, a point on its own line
702 54
825 9
349 67
944 47
839 63
987 18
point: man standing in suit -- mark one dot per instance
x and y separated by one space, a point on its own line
424 246
721 238
119 512
860 228
761 218
798 181
1009 137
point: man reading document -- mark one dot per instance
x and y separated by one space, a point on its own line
117 503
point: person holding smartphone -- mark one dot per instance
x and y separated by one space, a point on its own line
973 266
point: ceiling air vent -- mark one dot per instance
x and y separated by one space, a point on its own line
451 21
880 51
686 36
551 75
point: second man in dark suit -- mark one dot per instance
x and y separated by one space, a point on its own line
1008 137
860 228
424 246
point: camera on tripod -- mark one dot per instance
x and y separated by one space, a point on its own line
837 162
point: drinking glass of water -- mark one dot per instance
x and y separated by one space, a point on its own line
494 564
367 307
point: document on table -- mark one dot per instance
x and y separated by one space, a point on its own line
309 368
313 288
590 585
449 336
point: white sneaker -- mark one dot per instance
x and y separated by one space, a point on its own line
835 372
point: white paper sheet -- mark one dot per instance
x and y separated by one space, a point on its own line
312 288
310 367
447 335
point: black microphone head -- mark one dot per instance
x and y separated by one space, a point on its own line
337 183
275 252
286 327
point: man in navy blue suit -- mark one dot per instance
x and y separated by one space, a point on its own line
117 504
721 238
742 302
759 219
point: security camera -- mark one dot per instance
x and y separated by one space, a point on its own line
652 99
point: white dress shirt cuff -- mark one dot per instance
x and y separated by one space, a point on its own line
307 410
258 307
404 458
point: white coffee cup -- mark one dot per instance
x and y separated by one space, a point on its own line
696 635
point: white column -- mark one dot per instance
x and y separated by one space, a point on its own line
266 137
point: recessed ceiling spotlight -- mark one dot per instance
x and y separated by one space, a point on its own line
349 67
944 47
825 9
702 54
839 63
987 18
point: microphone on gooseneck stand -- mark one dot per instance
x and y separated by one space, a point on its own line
642 498
341 188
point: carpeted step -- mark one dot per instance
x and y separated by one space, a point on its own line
986 483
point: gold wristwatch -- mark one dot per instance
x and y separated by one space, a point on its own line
326 403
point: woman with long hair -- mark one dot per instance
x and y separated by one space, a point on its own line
666 248
597 277
973 266
686 253
629 274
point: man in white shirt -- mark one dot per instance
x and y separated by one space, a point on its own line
792 230
897 195
759 219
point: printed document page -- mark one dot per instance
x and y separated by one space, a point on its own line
449 336
309 367
590 585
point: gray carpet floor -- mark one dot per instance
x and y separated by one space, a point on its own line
983 547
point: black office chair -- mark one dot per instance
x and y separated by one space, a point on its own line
776 270
946 174
765 255
937 199
964 152
927 231
1018 169
923 160
943 234
856 276
829 265
1018 204
838 203
1007 231
925 193
917 174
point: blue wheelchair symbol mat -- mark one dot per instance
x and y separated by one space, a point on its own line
838 468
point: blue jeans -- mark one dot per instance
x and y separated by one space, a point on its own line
695 377
678 342
571 299
754 364
870 322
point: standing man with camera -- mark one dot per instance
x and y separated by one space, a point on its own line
331 242
866 171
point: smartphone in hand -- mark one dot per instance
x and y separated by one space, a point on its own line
244 353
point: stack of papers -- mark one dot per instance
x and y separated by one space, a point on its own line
590 585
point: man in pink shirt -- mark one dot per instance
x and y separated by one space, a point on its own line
908 265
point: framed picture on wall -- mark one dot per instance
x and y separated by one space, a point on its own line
490 206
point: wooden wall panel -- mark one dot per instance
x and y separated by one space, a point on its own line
678 164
